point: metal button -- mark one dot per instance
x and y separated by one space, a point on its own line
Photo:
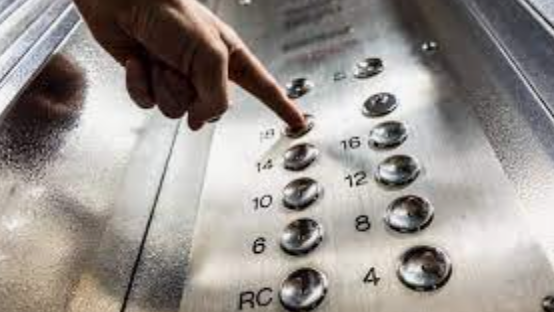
379 104
300 156
430 47
424 268
548 304
303 290
301 193
299 132
398 171
368 68
388 135
299 87
338 76
301 237
409 214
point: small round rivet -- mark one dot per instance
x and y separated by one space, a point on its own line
430 47
338 76
409 214
298 87
303 290
300 156
368 68
379 104
301 193
388 135
548 304
424 268
397 171
301 237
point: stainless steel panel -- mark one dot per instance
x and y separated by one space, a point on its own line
544 8
514 117
28 54
526 40
80 169
7 7
162 272
497 264
19 20
12 55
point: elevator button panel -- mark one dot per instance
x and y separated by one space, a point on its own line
380 204
303 290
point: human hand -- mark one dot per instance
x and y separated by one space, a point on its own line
180 56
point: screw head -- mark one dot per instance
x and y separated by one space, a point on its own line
548 304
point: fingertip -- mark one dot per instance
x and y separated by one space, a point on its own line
295 118
138 83
194 122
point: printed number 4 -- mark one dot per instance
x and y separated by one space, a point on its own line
371 277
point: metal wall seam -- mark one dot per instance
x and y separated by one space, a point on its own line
21 68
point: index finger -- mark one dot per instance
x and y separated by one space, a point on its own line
248 72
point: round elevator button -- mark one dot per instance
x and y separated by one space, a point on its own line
548 304
301 237
379 104
424 268
298 87
295 133
409 214
300 156
368 68
303 290
301 193
388 135
397 171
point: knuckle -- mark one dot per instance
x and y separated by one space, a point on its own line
217 54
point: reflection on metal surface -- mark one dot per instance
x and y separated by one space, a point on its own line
33 131
303 290
29 52
78 180
31 35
